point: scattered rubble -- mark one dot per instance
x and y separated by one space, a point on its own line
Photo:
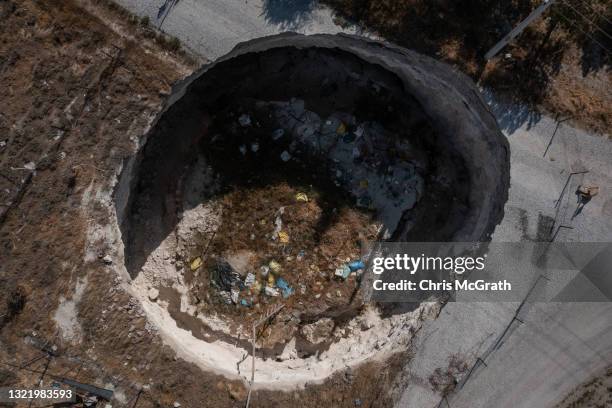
319 331
153 294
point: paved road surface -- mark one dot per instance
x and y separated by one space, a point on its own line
559 345
213 27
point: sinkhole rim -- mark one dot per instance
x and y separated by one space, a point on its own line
460 118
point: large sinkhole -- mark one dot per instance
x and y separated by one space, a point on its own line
270 169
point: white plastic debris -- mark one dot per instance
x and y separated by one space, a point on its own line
270 291
235 294
264 270
254 147
249 280
278 223
285 156
243 149
30 166
244 120
359 131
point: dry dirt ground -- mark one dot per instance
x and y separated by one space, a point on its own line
79 83
595 393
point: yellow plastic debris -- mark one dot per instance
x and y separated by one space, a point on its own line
256 288
271 280
196 263
274 267
363 183
283 237
301 197
341 130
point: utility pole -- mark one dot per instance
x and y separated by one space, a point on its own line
518 29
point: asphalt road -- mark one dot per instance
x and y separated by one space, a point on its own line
557 346
211 28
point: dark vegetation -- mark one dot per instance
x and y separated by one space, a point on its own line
461 32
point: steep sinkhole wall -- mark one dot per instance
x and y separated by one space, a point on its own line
260 116
439 109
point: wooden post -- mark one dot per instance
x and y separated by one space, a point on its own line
255 325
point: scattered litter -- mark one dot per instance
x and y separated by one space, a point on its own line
242 149
356 265
271 280
284 286
301 197
357 402
2 143
264 270
254 147
224 276
283 237
359 131
278 223
341 130
30 166
245 302
285 156
270 291
196 263
275 267
249 280
343 272
244 120
278 133
235 295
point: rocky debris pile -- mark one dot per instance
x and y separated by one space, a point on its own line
318 331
